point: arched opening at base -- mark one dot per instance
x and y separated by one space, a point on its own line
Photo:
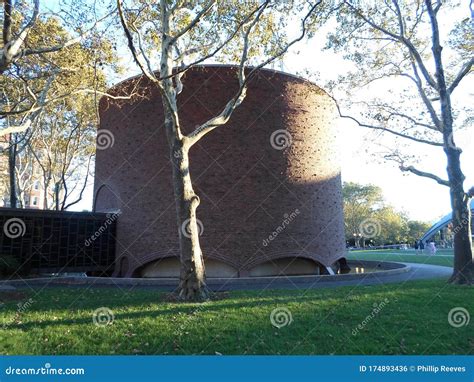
169 267
287 266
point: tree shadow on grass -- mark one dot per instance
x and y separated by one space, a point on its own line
339 297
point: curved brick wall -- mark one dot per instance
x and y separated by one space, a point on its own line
248 189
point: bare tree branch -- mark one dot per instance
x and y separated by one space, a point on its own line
396 157
401 38
11 49
465 70
7 22
386 129
426 100
145 68
39 105
395 112
136 56
425 174
193 22
412 120
34 115
79 198
217 49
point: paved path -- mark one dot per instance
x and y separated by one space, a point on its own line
400 254
414 271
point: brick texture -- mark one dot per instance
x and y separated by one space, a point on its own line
248 189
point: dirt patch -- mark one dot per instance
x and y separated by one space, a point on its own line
174 297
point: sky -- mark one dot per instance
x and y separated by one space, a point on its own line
421 198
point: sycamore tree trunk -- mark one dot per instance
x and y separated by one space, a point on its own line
192 283
12 152
463 262
463 270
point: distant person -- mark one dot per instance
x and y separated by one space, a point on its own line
432 248
416 246
422 246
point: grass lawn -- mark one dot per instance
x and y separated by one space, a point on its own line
408 256
410 318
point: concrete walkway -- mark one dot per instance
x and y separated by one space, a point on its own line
353 253
412 271
416 272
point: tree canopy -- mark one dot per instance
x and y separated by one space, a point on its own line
369 219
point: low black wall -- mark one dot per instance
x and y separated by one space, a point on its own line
57 241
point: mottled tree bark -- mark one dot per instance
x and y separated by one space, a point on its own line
463 262
12 152
463 269
192 285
